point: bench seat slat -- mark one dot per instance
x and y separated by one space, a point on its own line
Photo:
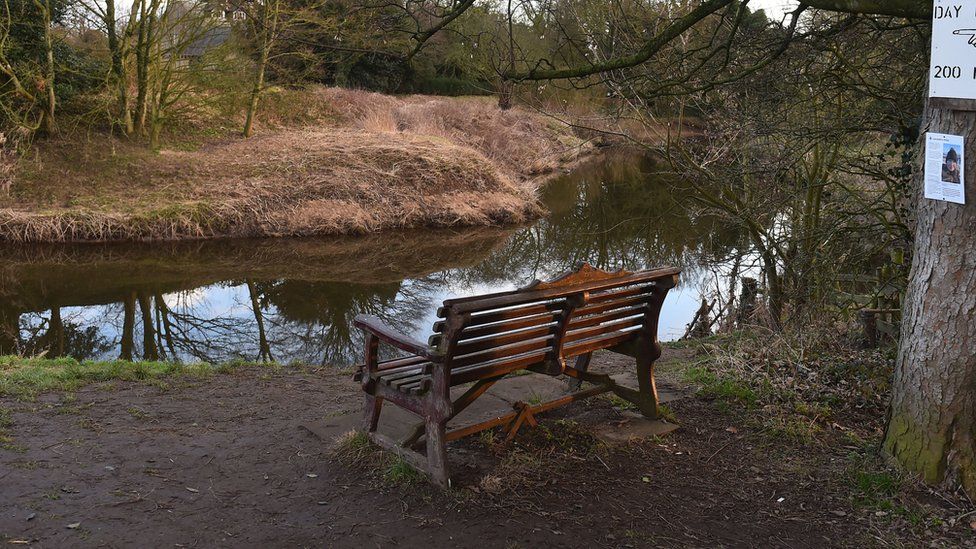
468 346
393 372
406 372
474 372
489 316
414 381
501 352
600 329
584 346
597 308
501 327
478 371
626 291
582 322
400 362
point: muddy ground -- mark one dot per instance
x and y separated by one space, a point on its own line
248 459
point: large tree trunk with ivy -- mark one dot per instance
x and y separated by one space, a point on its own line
932 429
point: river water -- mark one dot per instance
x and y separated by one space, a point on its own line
295 299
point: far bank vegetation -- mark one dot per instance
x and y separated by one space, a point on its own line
186 119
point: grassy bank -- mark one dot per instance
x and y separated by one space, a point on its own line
325 161
28 377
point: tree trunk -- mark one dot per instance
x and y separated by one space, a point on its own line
505 95
128 326
118 67
149 349
155 130
9 329
48 127
143 44
264 347
932 425
258 87
55 334
163 312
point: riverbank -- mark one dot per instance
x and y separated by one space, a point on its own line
248 454
325 161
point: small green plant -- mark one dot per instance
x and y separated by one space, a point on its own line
620 403
853 439
488 437
400 473
876 482
813 410
729 389
353 441
875 488
791 430
666 413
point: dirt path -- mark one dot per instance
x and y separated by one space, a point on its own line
235 461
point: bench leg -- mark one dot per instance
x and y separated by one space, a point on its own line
371 412
437 452
457 407
647 400
582 364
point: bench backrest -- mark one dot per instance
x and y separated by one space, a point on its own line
545 323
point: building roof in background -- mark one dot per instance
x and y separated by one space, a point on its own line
211 39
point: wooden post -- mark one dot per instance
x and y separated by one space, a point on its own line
869 321
647 403
373 405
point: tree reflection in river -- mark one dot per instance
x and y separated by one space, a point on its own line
295 299
312 321
621 213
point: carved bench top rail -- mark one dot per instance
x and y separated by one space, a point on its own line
585 279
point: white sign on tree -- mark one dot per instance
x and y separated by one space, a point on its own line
953 70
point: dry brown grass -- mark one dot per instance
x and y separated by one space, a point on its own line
301 182
327 161
522 143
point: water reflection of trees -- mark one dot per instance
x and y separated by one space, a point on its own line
296 299
312 321
619 213
56 336
201 304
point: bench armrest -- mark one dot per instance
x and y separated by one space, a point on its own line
391 336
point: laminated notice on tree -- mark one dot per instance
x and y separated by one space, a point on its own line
944 165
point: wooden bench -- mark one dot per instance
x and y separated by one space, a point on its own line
482 339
